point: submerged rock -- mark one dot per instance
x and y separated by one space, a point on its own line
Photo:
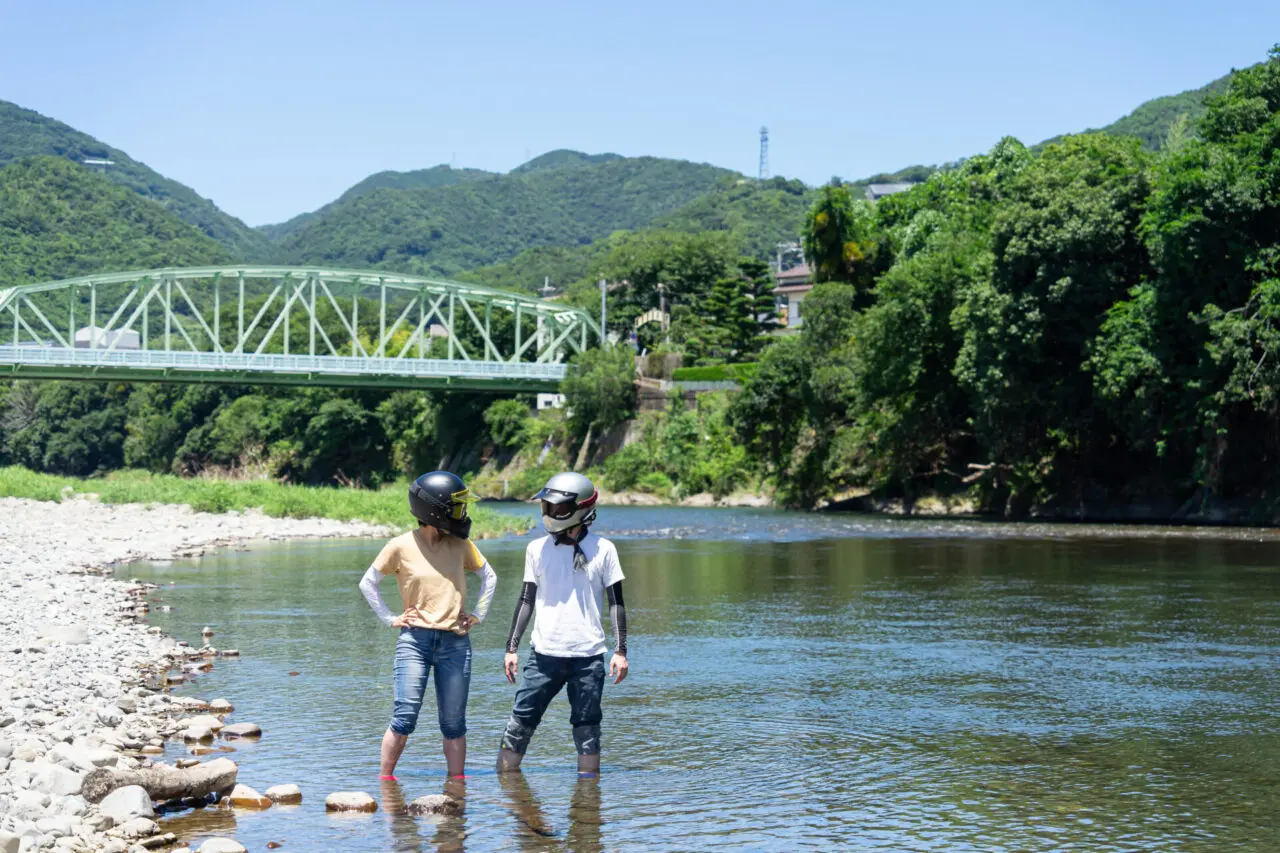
434 804
350 801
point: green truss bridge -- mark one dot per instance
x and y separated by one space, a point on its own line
288 326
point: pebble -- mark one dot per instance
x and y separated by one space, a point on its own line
350 801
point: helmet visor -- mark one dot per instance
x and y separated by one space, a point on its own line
458 504
563 509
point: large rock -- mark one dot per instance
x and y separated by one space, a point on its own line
288 795
244 797
68 635
9 843
242 730
434 804
350 801
58 781
222 845
72 757
29 805
55 826
221 706
139 827
195 734
124 804
206 721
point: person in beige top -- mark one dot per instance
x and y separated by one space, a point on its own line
430 566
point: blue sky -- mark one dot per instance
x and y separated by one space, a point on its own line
271 108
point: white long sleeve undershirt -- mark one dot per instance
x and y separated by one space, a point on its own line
369 588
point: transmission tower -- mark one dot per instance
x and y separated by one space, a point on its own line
764 153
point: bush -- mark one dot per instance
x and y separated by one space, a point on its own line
507 421
655 483
623 469
716 373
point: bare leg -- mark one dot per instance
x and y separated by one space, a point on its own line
455 754
392 747
509 760
589 763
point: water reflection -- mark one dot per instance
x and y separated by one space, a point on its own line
535 830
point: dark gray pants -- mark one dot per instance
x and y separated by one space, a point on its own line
541 680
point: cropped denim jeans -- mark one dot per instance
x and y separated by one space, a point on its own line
417 651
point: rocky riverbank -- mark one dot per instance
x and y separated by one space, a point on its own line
78 667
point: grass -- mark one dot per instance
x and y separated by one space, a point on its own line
387 506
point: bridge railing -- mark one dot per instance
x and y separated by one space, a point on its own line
39 356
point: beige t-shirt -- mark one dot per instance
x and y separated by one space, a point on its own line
430 576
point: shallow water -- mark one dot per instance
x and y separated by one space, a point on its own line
798 682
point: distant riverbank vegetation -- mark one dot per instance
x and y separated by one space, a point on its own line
387 506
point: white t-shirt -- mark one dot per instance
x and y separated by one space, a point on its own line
566 611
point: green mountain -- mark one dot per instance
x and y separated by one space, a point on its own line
419 179
26 133
1152 119
563 158
756 214
443 230
60 220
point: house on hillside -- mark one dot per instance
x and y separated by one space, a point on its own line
875 192
792 285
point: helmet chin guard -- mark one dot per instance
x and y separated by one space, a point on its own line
568 500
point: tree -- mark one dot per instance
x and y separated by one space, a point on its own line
507 421
600 388
835 235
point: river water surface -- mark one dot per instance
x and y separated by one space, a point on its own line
798 682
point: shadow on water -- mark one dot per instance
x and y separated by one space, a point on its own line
912 686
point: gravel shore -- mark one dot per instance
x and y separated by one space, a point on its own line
75 660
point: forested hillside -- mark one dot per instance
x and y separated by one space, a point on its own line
444 230
418 179
59 220
26 133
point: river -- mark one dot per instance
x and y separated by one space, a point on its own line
797 682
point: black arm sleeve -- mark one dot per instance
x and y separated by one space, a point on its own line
524 610
618 616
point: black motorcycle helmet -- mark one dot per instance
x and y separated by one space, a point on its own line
440 499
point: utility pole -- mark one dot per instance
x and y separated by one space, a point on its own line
604 336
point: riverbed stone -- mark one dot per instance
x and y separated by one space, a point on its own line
350 801
124 804
67 635
242 730
244 797
9 842
55 780
205 721
221 706
222 845
289 795
139 827
434 804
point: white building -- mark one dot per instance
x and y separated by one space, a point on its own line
95 338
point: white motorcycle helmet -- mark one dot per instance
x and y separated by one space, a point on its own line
568 499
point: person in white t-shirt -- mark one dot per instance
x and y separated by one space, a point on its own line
569 574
